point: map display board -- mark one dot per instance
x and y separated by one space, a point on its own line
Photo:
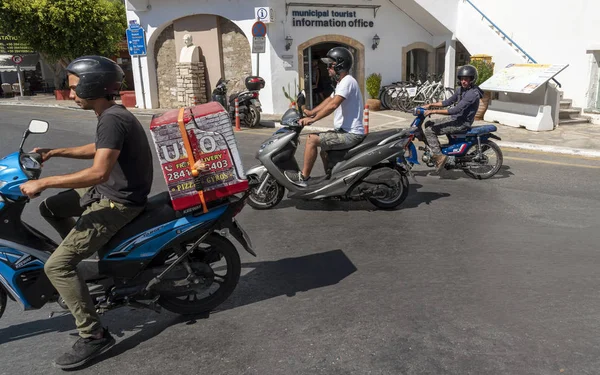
522 78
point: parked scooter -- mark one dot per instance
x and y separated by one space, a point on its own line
184 263
473 152
248 102
368 171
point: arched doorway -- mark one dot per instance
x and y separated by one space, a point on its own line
224 52
418 60
309 55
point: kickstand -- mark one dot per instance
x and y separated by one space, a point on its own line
410 173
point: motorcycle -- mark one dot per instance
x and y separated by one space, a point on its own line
472 152
163 258
248 101
368 171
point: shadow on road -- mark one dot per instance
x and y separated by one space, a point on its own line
414 199
456 174
265 280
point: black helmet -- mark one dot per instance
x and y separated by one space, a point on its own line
99 77
468 71
342 57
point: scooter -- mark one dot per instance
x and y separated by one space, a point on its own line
472 152
368 171
249 106
184 263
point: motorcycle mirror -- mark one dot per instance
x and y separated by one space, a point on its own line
38 127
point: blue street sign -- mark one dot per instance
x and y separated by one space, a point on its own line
133 24
259 29
136 41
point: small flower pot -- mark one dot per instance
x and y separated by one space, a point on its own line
374 104
128 98
62 94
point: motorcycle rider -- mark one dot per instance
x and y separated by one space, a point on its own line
105 196
347 103
462 115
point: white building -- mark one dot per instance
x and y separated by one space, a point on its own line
415 36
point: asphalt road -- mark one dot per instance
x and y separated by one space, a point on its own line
467 277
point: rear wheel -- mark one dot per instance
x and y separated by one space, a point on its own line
488 165
396 195
217 261
3 301
253 117
270 196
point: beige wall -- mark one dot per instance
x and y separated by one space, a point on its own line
204 30
165 58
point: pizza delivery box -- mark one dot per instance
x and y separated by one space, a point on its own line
203 132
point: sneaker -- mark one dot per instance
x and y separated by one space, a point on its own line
84 350
296 178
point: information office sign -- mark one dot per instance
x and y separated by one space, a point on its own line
10 45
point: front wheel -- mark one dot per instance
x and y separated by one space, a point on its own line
270 196
487 164
2 300
396 195
218 262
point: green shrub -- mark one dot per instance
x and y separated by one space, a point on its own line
373 85
484 68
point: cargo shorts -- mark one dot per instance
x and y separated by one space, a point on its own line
339 140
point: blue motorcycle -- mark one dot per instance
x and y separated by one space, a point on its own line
163 258
473 152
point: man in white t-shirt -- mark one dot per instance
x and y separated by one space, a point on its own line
346 102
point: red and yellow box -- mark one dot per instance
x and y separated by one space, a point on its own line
210 137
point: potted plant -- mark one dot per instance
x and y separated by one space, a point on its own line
63 91
373 86
486 70
127 96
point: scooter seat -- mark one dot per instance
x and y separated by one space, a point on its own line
158 211
484 129
370 140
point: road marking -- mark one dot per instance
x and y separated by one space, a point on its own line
523 151
552 162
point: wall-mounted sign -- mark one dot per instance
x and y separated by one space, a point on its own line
288 61
328 18
264 14
10 45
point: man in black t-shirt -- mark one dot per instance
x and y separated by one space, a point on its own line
105 197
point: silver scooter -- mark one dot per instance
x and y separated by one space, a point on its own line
368 171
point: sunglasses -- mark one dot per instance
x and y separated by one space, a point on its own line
465 79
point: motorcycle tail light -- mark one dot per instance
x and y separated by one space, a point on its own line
255 94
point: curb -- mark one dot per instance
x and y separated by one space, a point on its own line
551 149
591 153
584 152
70 108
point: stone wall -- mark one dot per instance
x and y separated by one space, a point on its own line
191 86
165 56
236 55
